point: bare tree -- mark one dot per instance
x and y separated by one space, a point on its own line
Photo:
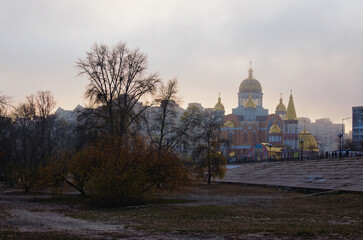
6 132
117 82
161 122
4 104
166 127
210 161
44 102
24 115
167 104
35 138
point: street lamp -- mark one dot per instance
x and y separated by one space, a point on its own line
228 143
340 136
302 148
270 146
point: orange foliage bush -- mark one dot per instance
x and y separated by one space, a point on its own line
117 172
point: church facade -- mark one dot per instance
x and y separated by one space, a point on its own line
250 131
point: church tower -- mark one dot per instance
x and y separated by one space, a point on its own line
250 88
291 136
219 106
219 109
281 109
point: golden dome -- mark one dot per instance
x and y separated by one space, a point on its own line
229 124
309 143
250 84
219 106
250 103
281 107
291 113
275 128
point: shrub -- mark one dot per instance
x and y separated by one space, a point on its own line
116 171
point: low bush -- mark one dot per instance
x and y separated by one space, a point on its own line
114 172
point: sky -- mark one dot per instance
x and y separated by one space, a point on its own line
314 48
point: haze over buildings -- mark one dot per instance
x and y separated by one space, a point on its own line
325 132
312 47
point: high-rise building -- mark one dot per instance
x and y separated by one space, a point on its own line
358 126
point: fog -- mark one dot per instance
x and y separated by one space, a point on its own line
312 47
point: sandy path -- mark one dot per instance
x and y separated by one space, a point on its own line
30 221
28 216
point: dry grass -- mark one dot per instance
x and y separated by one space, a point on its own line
259 210
13 234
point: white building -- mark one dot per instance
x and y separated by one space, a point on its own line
324 131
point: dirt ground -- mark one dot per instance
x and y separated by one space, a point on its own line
219 211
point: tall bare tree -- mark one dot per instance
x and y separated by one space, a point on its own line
4 104
209 160
161 121
44 103
117 82
6 132
34 126
35 136
166 125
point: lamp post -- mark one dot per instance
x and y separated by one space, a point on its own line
340 136
343 131
228 151
270 146
302 148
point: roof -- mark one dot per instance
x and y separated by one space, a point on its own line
291 113
250 84
309 143
275 128
219 106
229 124
281 107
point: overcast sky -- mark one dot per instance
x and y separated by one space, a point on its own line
313 47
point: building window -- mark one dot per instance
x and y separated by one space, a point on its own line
254 138
230 136
245 137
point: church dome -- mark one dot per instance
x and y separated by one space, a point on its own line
250 103
281 107
275 128
309 143
229 124
250 84
219 106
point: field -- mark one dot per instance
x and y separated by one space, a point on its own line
217 211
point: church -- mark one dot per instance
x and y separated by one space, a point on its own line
251 132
